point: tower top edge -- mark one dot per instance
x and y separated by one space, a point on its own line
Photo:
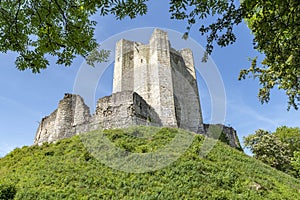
159 33
157 30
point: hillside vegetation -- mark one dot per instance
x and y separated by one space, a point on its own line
66 170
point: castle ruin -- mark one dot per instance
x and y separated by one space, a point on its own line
153 85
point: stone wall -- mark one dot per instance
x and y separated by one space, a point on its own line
71 112
162 91
46 129
120 110
123 69
186 96
228 134
124 109
164 77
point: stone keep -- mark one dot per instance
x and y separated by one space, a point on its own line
154 85
163 77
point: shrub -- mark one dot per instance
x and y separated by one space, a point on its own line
7 192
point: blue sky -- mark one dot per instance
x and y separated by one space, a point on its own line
25 97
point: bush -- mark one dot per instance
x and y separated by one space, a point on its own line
7 192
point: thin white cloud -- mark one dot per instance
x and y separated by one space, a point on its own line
243 113
8 102
248 119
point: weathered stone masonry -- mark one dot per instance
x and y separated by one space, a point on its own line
154 84
164 77
71 112
120 110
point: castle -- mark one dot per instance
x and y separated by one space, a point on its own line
153 85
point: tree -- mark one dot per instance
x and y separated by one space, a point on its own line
296 163
267 148
63 29
290 136
276 27
279 149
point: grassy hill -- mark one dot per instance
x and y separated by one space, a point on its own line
66 170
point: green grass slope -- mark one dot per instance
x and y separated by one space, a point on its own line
66 170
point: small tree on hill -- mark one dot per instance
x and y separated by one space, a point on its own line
296 163
269 149
280 149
